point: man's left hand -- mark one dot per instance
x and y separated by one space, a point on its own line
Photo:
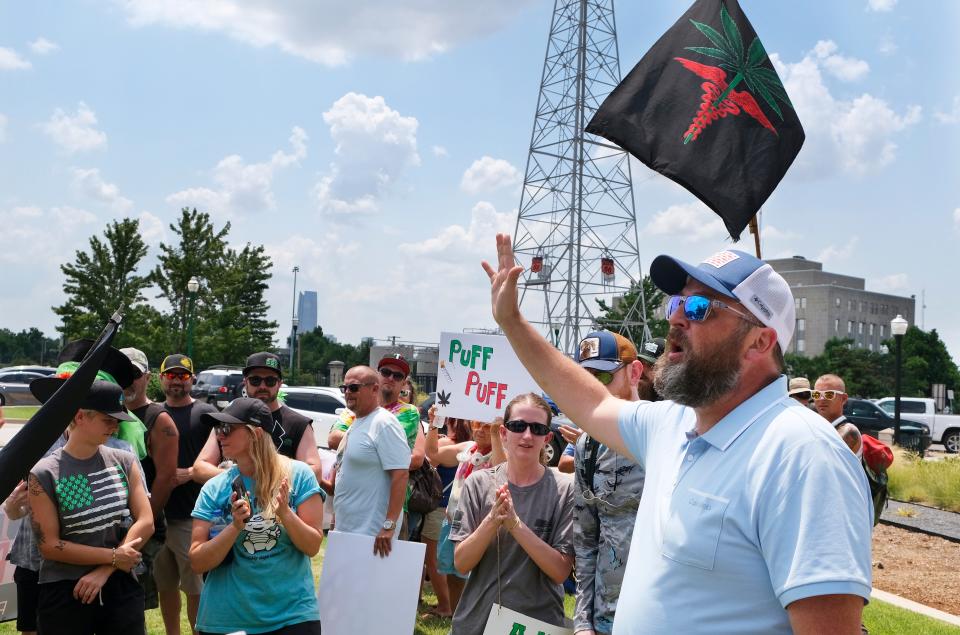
382 543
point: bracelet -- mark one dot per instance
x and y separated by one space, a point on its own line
113 562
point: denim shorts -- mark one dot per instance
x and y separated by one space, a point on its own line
445 552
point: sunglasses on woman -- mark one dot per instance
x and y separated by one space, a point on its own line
256 380
224 429
697 308
519 426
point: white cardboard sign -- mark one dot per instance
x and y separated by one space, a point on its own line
363 593
477 375
504 621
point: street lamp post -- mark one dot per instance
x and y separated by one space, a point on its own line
293 347
898 326
192 287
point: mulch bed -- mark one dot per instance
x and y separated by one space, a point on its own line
921 568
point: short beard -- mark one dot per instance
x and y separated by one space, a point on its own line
388 397
700 379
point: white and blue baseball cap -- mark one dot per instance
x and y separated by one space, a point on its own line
738 275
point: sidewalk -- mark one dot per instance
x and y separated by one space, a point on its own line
925 519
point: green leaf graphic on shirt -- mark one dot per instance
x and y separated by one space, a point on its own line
73 492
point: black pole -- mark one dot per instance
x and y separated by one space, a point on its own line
896 396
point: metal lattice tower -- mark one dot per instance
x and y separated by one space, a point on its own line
576 224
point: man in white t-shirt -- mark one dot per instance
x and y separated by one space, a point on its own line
372 465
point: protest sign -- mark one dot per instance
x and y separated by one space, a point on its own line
504 621
478 375
8 589
390 586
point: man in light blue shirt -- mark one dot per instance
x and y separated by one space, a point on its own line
756 514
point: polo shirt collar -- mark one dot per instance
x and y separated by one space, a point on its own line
725 432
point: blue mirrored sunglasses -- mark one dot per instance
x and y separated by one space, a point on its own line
696 308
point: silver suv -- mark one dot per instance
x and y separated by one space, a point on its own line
218 386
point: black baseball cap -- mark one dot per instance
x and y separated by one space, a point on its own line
245 410
103 396
115 363
263 360
177 360
652 349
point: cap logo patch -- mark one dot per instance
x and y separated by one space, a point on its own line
187 363
762 307
650 347
589 348
272 363
720 259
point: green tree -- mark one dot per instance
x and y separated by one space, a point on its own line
926 361
317 350
230 312
29 346
103 279
628 309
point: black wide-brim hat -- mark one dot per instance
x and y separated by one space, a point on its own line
103 396
116 363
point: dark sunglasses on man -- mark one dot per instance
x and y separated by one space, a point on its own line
256 380
176 375
519 426
605 376
386 373
352 388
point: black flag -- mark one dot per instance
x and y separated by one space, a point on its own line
39 433
705 108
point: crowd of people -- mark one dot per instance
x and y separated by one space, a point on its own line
705 496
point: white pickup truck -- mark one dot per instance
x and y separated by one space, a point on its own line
944 428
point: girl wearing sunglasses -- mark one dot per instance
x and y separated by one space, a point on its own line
514 527
255 528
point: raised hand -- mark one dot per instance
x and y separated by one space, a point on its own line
503 282
283 498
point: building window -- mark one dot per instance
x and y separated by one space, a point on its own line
883 330
801 346
803 303
860 328
870 346
849 305
837 303
796 303
861 307
849 327
836 326
871 329
801 325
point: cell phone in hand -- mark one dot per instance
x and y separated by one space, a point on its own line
238 488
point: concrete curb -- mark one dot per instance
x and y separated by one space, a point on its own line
916 607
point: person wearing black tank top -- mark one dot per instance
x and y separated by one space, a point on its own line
292 432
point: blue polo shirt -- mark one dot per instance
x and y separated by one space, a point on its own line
766 508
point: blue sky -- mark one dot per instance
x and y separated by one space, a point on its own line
380 145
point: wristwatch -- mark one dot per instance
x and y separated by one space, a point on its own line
389 524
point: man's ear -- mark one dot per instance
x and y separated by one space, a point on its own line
635 370
763 339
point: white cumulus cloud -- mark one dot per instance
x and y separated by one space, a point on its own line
847 69
10 60
881 5
75 132
43 46
89 183
487 174
689 222
454 241
240 186
152 229
332 32
853 136
439 151
375 144
838 253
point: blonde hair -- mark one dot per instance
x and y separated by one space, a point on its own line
269 468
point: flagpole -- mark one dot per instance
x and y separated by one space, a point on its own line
755 230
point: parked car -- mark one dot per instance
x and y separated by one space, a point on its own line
218 386
871 419
321 403
15 388
944 428
43 370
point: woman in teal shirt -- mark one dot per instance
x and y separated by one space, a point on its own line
256 549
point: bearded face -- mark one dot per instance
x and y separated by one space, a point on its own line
700 378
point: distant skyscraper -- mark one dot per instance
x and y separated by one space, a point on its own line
307 311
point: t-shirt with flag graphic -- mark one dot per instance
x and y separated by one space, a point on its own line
92 499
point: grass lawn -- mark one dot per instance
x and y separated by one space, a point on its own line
880 618
19 412
935 483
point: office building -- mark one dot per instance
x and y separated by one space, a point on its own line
307 311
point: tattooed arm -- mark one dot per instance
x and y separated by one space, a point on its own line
46 529
164 446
